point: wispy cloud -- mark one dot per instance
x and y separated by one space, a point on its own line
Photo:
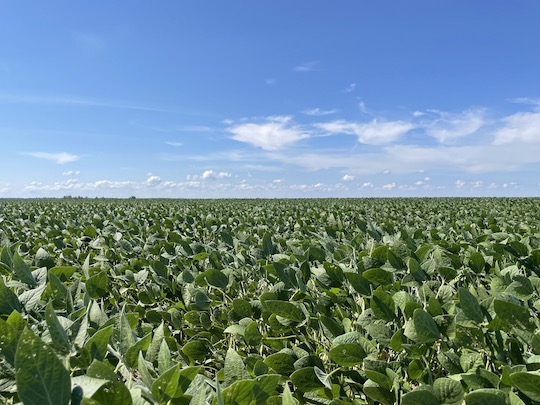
519 127
174 143
526 100
71 173
306 66
43 99
450 126
348 177
376 132
319 112
270 81
350 88
60 158
275 133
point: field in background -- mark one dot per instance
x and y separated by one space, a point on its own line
409 301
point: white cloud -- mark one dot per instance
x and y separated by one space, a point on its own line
367 184
348 177
319 112
449 126
153 180
526 100
278 181
374 133
519 127
389 186
210 174
350 88
306 66
60 158
174 143
71 173
274 134
460 183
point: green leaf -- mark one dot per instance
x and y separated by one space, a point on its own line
22 271
287 398
378 393
267 245
97 285
122 333
285 309
469 305
486 396
425 327
132 354
234 368
347 354
196 350
96 347
166 385
378 276
420 397
58 334
8 300
87 385
43 259
512 313
476 262
281 363
41 377
448 391
252 336
528 383
383 305
306 380
359 283
216 278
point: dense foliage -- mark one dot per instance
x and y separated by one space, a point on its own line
407 301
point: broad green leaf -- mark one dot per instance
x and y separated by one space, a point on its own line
469 305
281 363
234 368
383 305
486 396
96 347
285 309
359 283
43 259
22 271
88 386
378 276
97 285
8 300
347 354
448 391
420 397
132 354
58 334
528 383
166 385
41 377
425 327
476 262
378 393
512 313
196 350
216 278
306 380
122 333
287 398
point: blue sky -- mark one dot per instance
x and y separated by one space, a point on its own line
276 98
